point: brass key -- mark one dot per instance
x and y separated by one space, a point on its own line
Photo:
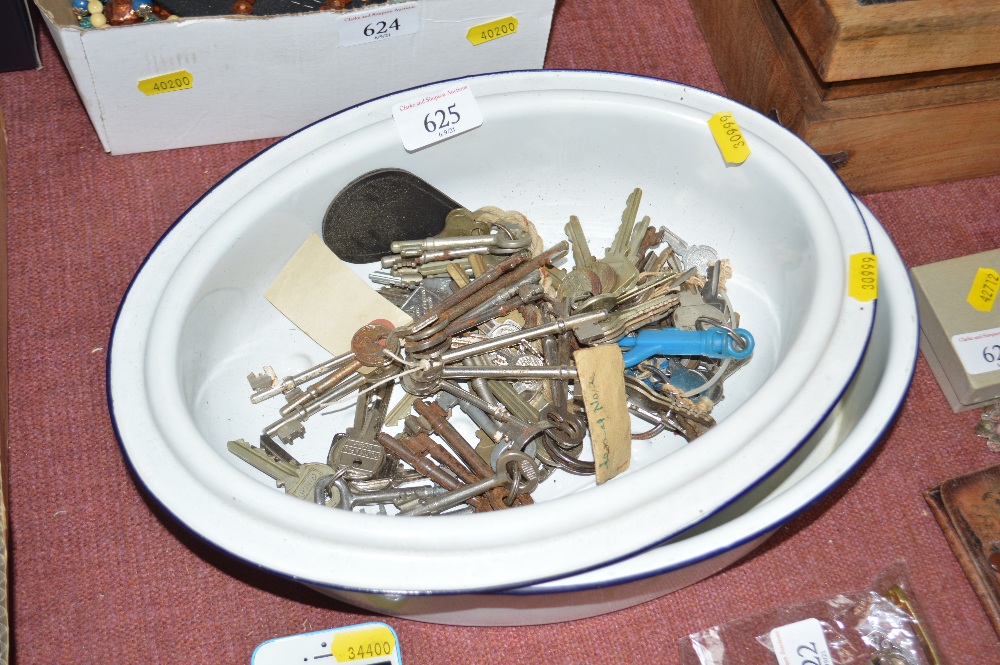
297 479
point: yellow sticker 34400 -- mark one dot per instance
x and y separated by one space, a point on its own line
984 289
182 80
370 641
487 32
863 277
729 137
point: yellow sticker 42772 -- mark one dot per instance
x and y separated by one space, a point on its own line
863 278
182 80
729 137
487 32
984 289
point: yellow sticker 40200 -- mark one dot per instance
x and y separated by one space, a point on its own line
371 641
863 277
984 289
182 80
729 137
487 32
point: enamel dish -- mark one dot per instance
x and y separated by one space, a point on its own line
847 436
552 144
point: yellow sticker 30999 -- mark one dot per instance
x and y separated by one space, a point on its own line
984 289
487 32
369 642
729 137
182 80
863 277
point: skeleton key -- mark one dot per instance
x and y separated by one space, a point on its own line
501 478
267 385
298 480
367 347
289 427
356 450
349 499
428 469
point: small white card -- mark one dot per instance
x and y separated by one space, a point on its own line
321 295
436 116
380 23
979 351
801 643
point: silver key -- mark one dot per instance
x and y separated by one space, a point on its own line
357 450
297 479
455 497
349 499
691 256
525 334
289 427
267 385
430 292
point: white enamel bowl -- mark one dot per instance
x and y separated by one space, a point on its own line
851 431
552 144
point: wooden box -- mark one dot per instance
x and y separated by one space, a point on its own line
896 94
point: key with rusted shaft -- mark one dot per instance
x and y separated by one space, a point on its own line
428 468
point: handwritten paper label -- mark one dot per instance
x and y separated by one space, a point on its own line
729 137
863 277
379 24
436 116
327 300
801 643
601 378
979 351
182 80
984 289
487 32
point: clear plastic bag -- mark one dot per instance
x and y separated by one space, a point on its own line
877 626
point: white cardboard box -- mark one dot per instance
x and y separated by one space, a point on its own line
960 342
262 77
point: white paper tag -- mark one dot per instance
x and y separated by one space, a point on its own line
436 116
314 283
379 24
801 643
978 351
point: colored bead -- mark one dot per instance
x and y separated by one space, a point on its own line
242 7
120 12
95 7
81 4
99 20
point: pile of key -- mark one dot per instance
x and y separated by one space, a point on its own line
495 324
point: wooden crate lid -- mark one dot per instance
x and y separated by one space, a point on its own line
846 40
